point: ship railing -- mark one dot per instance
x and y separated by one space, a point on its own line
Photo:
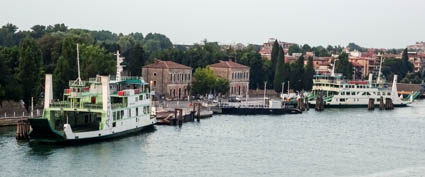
61 104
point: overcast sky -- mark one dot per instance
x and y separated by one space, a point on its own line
369 23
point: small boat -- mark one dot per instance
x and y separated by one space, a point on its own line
268 107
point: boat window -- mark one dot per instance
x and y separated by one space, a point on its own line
122 114
353 93
129 113
388 93
137 111
379 93
342 99
115 116
342 93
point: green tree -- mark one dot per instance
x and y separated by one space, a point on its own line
406 66
274 58
306 48
30 73
96 61
279 76
252 58
135 59
308 75
66 67
205 82
298 73
344 66
294 49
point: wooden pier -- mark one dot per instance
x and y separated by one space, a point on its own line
22 129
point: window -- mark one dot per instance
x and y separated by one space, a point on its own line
141 97
137 111
342 93
154 84
122 114
342 100
115 116
129 113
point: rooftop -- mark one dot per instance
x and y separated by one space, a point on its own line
166 64
227 64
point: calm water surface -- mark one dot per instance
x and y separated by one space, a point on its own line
349 142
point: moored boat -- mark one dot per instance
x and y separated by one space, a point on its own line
102 107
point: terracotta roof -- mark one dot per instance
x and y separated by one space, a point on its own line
227 64
166 64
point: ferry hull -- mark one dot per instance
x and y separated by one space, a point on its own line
259 111
354 105
44 133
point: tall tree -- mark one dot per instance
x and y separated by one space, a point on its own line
30 74
406 66
95 60
298 73
135 58
308 74
279 76
66 67
274 58
344 66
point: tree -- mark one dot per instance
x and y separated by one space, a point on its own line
294 49
274 58
251 58
96 61
38 31
298 73
406 66
344 66
66 67
30 70
206 82
306 48
308 74
10 88
279 76
135 59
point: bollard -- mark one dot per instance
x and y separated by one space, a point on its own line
371 105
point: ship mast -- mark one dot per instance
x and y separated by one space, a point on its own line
379 73
78 82
120 68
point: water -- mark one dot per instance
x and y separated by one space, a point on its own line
350 142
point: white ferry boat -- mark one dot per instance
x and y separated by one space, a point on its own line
102 107
340 93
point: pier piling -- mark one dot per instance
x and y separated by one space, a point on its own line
389 104
371 105
319 104
381 103
22 129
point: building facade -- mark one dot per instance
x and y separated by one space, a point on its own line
236 74
168 79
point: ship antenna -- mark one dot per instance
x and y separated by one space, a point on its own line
78 81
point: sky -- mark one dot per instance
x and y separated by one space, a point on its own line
369 23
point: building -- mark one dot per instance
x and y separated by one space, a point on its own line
168 78
236 74
266 49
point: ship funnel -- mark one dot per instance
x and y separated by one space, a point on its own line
105 92
48 91
394 87
370 78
